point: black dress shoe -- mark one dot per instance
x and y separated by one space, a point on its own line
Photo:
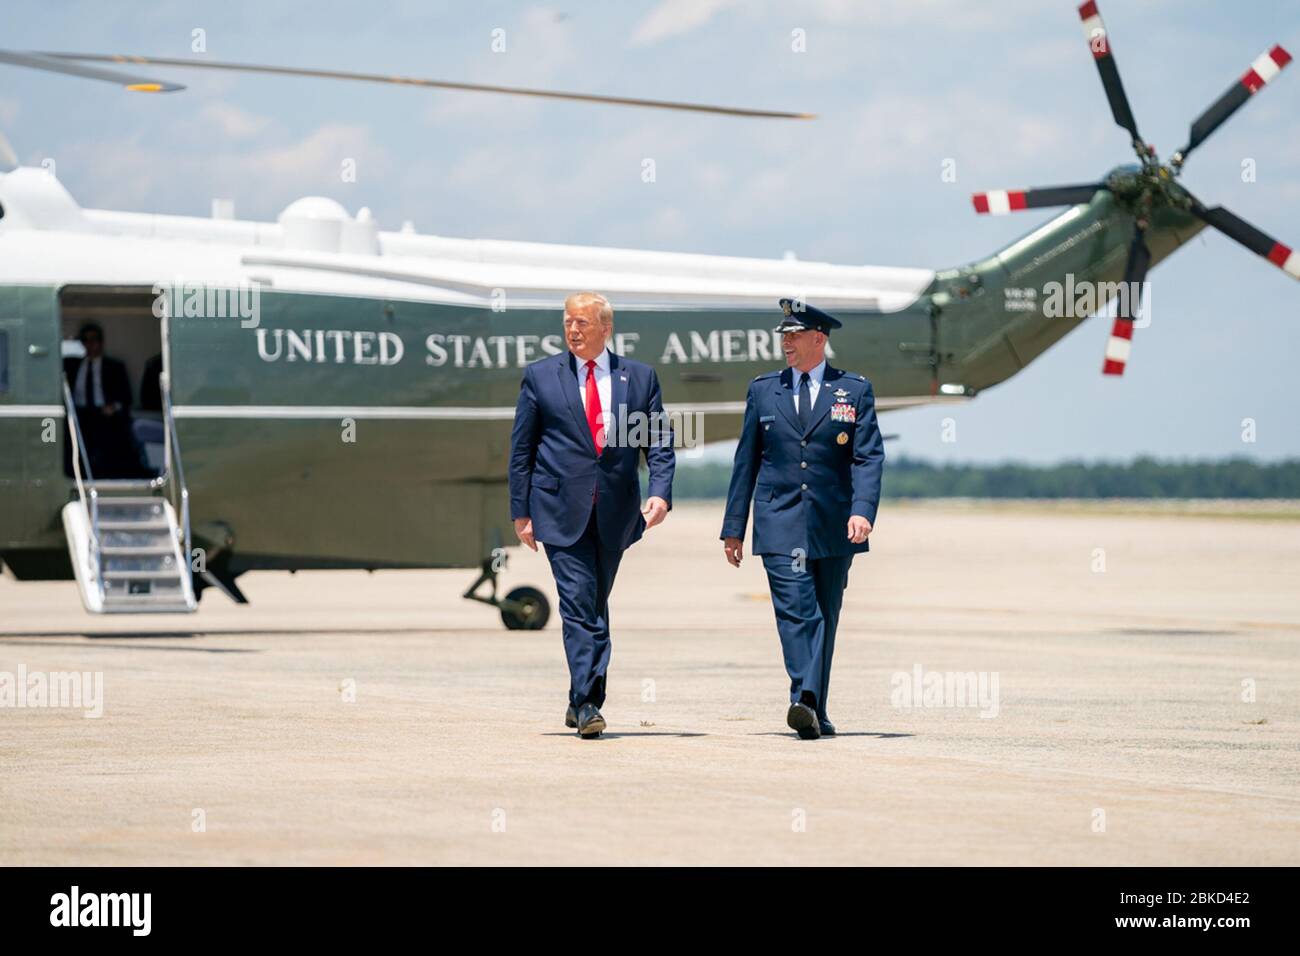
802 719
590 722
827 728
571 717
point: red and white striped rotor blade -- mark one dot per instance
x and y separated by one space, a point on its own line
1266 66
1001 201
1260 243
1099 43
1120 342
1118 347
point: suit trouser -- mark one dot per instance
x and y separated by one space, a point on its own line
109 443
584 575
807 602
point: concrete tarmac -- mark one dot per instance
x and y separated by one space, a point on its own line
1141 705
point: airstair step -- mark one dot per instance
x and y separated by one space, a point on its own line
164 574
158 524
136 538
146 602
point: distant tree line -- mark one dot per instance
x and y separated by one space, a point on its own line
1140 478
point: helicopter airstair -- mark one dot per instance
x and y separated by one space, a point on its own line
128 548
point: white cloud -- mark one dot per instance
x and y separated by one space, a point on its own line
668 226
233 123
537 49
261 180
676 17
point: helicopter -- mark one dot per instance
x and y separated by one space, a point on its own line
331 395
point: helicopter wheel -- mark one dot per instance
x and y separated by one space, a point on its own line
527 610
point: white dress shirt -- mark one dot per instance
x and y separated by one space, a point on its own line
79 390
814 383
603 386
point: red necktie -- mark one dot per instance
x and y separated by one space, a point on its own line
595 421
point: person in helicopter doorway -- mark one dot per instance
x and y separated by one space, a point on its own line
101 393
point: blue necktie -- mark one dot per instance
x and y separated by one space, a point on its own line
805 402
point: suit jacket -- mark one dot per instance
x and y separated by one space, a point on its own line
805 483
116 384
553 465
151 385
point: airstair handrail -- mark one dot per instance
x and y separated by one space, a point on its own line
173 468
91 506
179 472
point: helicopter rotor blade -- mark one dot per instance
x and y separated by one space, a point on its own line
427 83
999 202
1120 343
1260 243
41 61
1099 42
1266 66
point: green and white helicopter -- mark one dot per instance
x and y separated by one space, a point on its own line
331 395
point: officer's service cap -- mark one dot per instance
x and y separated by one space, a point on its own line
800 316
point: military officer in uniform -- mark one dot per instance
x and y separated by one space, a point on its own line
810 458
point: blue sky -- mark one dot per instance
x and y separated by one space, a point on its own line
1006 89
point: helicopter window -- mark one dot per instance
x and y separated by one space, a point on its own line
4 361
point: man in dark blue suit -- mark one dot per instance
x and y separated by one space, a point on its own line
583 421
810 457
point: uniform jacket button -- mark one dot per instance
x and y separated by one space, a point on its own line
803 464
803 487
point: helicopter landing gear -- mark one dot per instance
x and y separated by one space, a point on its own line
523 609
